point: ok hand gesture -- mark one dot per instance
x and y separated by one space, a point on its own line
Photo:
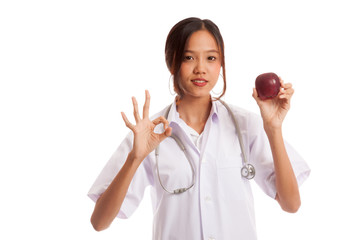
145 140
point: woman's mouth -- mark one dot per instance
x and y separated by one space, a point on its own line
199 82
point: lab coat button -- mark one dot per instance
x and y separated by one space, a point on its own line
208 199
211 238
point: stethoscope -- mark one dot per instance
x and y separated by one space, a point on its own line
247 171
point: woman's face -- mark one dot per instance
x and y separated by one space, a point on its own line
201 65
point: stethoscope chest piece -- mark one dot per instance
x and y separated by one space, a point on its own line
248 171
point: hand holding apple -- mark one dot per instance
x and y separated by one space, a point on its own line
273 98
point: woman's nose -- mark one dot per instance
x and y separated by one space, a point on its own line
199 67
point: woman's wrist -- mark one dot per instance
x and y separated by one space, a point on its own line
133 159
272 131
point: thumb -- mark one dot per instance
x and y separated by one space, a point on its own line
256 96
165 134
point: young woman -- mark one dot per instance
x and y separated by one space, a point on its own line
190 153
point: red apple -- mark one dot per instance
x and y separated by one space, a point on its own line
267 85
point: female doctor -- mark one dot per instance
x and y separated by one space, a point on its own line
198 191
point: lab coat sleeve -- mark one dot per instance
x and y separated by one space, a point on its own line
142 178
261 157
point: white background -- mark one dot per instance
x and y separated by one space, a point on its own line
67 69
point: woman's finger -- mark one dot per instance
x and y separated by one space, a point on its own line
286 94
146 105
168 129
286 85
127 122
166 133
287 91
136 110
162 120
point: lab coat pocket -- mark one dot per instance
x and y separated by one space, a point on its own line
230 162
229 178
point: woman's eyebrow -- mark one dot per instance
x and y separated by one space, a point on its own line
208 51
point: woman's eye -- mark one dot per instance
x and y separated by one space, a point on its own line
188 58
212 58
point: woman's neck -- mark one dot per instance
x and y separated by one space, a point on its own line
195 111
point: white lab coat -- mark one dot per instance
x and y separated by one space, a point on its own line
220 205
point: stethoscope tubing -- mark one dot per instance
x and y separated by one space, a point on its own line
247 171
